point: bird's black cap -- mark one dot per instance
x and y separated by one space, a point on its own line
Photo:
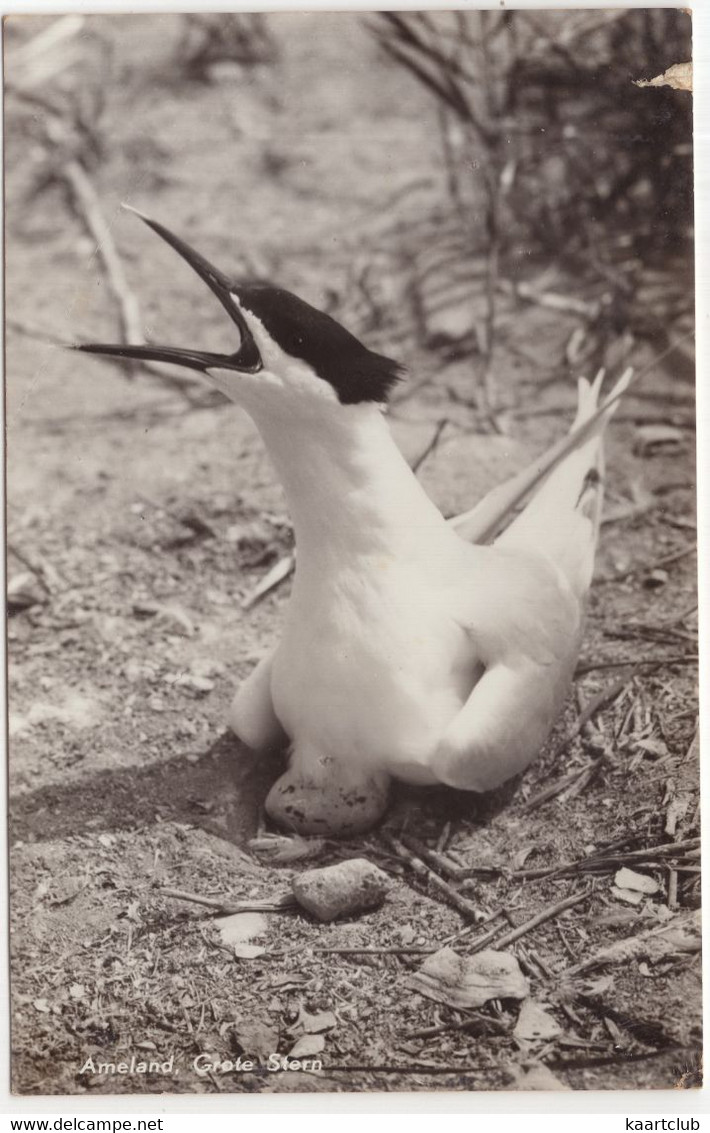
355 373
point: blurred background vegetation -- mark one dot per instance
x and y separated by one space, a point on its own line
521 166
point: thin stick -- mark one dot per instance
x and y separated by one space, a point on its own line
412 1068
426 873
546 915
435 859
286 903
444 837
270 581
606 861
592 666
492 183
456 936
646 568
601 700
630 511
393 951
89 208
567 304
690 549
673 888
432 445
660 633
460 1025
611 1060
66 27
482 941
557 787
38 569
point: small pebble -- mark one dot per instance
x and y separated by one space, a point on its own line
196 683
341 890
534 1023
655 579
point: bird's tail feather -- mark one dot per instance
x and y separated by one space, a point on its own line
562 518
487 518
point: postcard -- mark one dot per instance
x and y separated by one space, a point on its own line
351 549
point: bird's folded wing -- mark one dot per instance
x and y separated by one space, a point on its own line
525 625
252 715
502 725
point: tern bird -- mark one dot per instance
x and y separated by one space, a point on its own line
413 648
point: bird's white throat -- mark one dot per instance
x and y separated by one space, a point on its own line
349 490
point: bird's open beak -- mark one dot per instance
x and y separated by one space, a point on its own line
246 359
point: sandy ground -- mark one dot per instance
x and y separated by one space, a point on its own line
143 523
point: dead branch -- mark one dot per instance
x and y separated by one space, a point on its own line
73 144
646 568
565 304
655 663
546 915
432 445
438 861
42 570
601 700
423 1068
226 907
89 209
390 951
622 1057
678 936
422 870
271 581
474 1019
559 786
602 863
47 54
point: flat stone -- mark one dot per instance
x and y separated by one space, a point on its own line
341 890
239 928
469 981
639 882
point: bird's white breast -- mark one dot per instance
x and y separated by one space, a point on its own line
372 667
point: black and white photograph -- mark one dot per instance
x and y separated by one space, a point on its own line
351 532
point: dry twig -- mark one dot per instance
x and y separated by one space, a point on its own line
474 1019
89 209
601 700
438 861
432 445
540 918
422 870
270 581
604 862
655 663
226 907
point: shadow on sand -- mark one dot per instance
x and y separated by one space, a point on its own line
223 792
